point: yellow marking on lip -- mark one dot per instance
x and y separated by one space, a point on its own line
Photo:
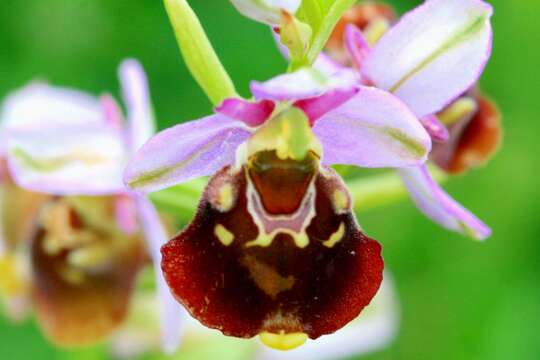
263 240
340 201
266 277
283 341
225 197
224 236
335 237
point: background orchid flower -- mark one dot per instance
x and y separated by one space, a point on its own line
429 58
73 146
475 133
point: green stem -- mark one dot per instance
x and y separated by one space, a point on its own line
198 53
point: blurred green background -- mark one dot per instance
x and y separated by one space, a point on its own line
460 299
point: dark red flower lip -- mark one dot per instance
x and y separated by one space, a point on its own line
279 287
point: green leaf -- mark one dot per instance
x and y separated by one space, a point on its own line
322 16
198 53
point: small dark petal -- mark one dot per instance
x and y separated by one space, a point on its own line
76 307
243 288
473 141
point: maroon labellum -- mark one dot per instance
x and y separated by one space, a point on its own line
274 248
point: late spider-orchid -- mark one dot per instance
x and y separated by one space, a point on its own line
275 232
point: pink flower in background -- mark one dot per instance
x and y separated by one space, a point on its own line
73 146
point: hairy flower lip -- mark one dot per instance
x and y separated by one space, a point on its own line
236 273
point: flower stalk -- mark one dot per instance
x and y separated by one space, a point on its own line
322 16
198 53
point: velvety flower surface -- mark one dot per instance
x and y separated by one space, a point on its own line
311 273
88 247
432 56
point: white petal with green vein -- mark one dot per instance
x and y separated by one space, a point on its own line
435 53
68 160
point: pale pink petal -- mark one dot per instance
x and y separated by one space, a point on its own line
434 54
184 152
42 105
111 111
68 160
251 113
125 212
315 108
301 84
435 128
441 208
357 45
372 129
141 125
173 316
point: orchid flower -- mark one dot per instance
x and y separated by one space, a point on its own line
74 147
475 132
432 56
275 233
